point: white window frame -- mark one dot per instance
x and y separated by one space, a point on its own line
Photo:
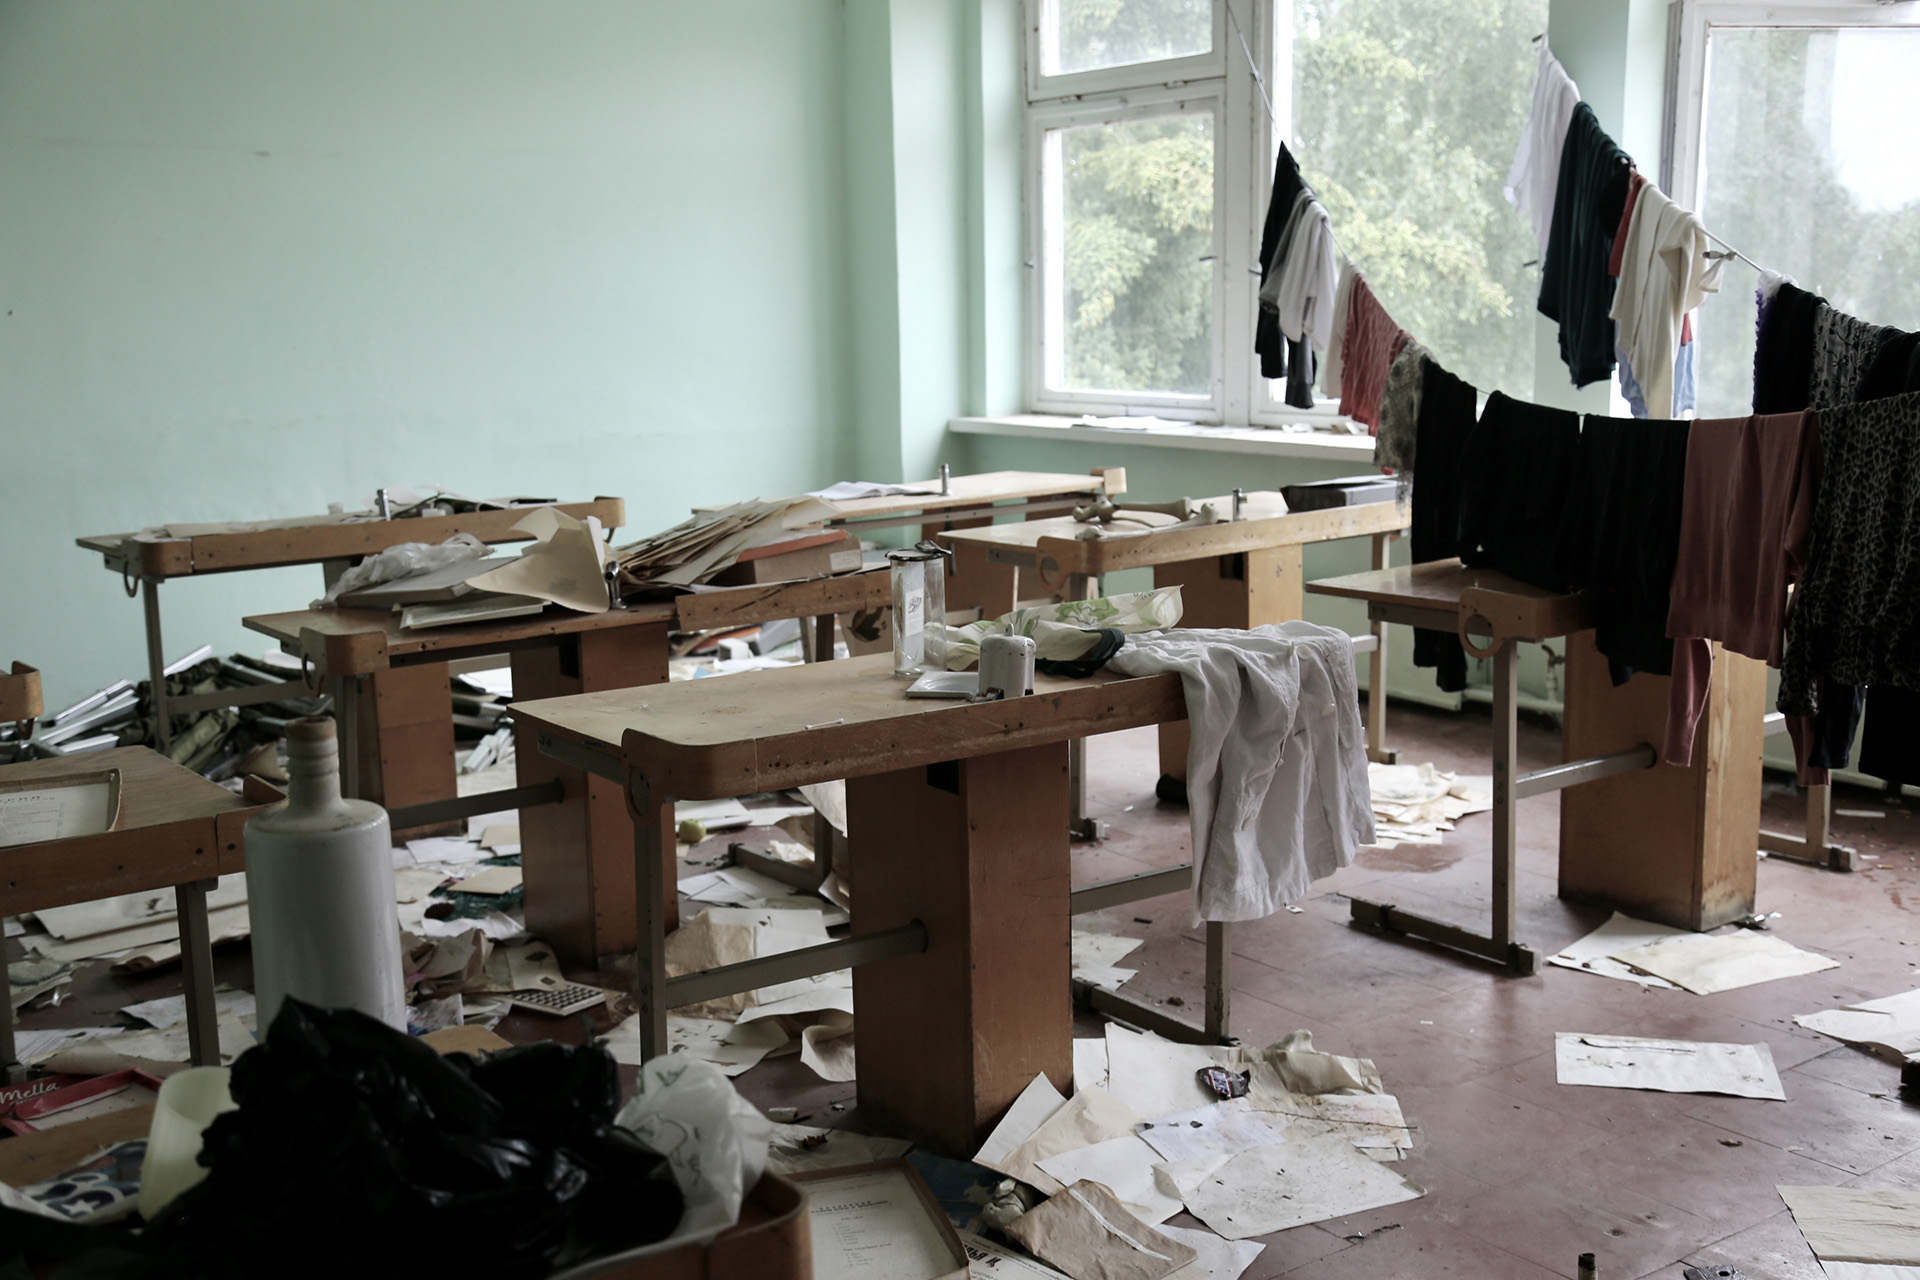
1167 72
1690 31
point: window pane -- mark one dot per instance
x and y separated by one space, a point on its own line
1810 145
1129 243
1087 35
1405 117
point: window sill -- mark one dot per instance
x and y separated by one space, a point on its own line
1274 443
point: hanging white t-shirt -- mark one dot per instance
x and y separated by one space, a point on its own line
1535 175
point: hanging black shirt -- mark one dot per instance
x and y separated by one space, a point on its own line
1575 289
1281 356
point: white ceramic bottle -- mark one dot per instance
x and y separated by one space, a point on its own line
320 891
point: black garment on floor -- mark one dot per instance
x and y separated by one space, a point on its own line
1516 481
1575 289
1447 409
1783 352
1894 370
1281 356
1890 744
1623 536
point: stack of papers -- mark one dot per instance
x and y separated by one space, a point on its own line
697 548
1418 804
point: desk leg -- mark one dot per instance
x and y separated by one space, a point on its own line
400 740
653 853
1506 751
577 855
1377 670
976 850
346 715
11 1072
196 965
1080 586
156 666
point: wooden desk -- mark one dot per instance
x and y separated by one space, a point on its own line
574 828
1663 843
973 501
1241 574
957 829
334 542
176 830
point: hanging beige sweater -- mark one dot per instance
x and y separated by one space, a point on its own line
1664 274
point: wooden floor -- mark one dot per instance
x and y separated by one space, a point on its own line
1523 1174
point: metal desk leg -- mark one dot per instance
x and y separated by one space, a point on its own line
1080 586
196 964
1219 1014
651 857
346 711
1506 750
1377 671
156 666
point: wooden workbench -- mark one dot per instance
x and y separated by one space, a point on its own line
1240 574
957 830
1663 843
574 829
176 830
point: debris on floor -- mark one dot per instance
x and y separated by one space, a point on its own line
1705 963
1669 1066
1862 1227
1095 956
1594 953
1418 804
1889 1026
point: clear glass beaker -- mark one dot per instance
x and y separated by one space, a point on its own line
919 601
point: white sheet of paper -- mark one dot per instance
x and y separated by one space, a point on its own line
1105 977
1090 1116
568 565
1290 1184
411 884
1156 1077
492 881
1222 1129
57 812
1090 1062
1858 1224
875 1226
1100 950
827 1048
1707 963
715 889
171 1011
32 1046
733 1048
144 1049
126 911
1889 1025
714 815
987 1260
790 1151
1594 953
1033 1108
1868 1271
1670 1066
1219 1259
1370 1121
446 849
1123 1166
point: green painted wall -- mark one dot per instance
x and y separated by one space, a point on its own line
259 258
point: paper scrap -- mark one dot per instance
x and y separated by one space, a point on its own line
989 1260
798 1148
1707 963
1670 1066
732 1047
1218 1259
1090 1116
127 911
412 884
714 815
1290 1184
500 833
155 1052
827 1047
1890 1026
1123 1166
491 882
1036 1105
1858 1224
444 849
1222 1129
1155 1077
141 946
1594 953
1095 950
1090 1062
567 565
1088 1233
1370 1121
171 1011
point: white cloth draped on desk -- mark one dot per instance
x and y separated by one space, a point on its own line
1277 766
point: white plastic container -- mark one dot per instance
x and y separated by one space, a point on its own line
188 1102
320 891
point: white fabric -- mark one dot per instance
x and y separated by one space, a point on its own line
1301 286
1277 766
1664 274
1535 175
1335 359
1770 282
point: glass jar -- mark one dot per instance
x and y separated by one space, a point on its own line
919 600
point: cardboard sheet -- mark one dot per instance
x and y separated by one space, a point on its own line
1123 1166
492 881
1034 1107
1090 1116
1272 1188
1890 1026
1222 1129
1594 953
1858 1224
568 565
1706 963
1669 1066
1087 1233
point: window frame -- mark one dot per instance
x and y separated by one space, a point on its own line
1163 72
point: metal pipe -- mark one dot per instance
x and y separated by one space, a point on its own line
791 966
1575 772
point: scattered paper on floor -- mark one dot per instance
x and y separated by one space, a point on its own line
1123 1166
799 1148
155 1052
491 881
1156 1077
1033 1108
171 1011
1670 1066
1222 1129
1090 1062
733 1047
1890 1026
455 849
1418 804
990 1260
1086 1232
1290 1184
827 1047
1706 963
1090 1116
1594 953
1370 1121
1218 1259
142 946
130 910
1858 1224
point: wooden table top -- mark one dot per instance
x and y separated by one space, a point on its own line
361 641
1266 523
985 487
767 730
1447 587
327 538
175 827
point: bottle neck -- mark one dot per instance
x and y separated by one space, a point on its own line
313 774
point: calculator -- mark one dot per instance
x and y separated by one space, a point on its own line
558 1001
